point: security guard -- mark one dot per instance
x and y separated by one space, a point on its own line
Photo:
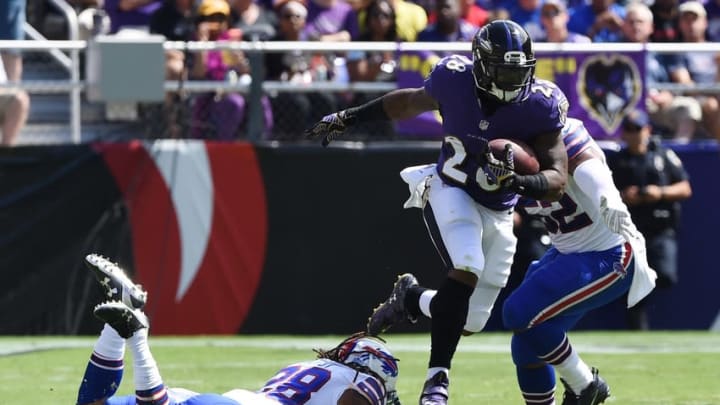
652 182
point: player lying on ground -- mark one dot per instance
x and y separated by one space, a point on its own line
359 371
596 257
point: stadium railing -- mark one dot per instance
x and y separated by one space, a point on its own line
75 85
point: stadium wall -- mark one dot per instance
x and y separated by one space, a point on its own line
236 238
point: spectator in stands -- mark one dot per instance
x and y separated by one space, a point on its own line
470 11
130 14
12 17
697 67
375 66
665 18
713 15
14 103
527 14
410 18
674 115
652 182
295 110
379 26
601 20
331 20
220 115
449 27
14 108
554 18
174 20
253 19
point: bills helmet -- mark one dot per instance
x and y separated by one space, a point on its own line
503 61
370 355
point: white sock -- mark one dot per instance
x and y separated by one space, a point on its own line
145 369
110 345
434 370
575 372
425 300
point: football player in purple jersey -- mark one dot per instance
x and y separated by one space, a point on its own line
361 370
467 197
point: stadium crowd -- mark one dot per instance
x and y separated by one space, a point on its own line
217 115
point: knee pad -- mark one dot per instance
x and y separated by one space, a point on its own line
476 321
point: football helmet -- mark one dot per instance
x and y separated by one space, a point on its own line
503 61
370 355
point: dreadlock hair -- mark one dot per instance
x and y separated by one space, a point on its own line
336 354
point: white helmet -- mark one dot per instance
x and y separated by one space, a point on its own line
369 354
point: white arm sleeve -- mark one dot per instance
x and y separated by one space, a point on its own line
595 180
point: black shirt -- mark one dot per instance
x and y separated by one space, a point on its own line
659 166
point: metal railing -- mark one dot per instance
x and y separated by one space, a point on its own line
75 86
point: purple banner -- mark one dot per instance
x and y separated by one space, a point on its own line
601 87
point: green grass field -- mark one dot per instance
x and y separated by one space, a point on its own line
641 368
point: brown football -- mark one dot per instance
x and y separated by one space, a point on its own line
523 155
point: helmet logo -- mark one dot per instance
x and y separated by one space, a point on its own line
515 57
485 45
483 125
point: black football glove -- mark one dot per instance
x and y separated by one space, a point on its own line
330 127
500 172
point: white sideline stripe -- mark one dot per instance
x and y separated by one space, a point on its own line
14 348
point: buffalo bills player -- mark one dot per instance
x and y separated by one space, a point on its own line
597 255
468 196
359 371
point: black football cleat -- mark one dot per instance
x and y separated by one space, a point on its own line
595 393
125 320
117 285
435 390
392 310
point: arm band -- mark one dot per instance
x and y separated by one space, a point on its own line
373 110
534 186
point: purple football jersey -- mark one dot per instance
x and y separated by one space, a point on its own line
468 127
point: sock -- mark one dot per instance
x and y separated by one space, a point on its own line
104 371
537 384
425 301
570 366
434 370
413 301
149 388
449 311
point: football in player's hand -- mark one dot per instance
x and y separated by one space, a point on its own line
523 155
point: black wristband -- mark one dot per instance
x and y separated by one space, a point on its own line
534 186
373 110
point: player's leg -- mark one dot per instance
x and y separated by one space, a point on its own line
558 291
104 370
456 228
132 324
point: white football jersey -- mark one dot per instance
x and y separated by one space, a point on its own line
574 222
321 382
